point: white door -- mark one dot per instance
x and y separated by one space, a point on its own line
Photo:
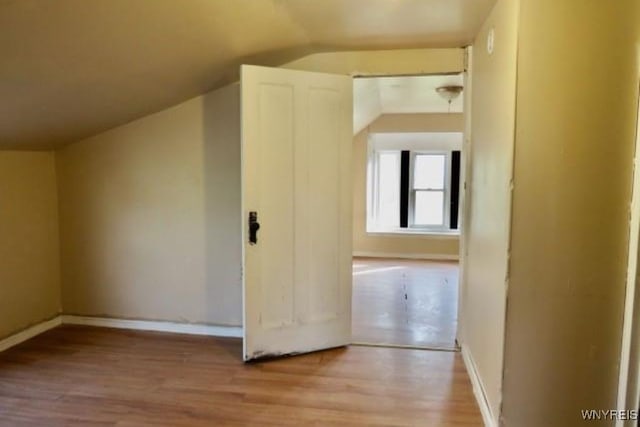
296 178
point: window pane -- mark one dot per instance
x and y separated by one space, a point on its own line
428 171
429 208
389 189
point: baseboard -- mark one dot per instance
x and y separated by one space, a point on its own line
29 333
153 325
142 325
432 257
478 389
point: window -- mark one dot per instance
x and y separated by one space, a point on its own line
388 189
428 190
413 191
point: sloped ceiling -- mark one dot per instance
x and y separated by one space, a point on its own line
373 96
73 68
366 103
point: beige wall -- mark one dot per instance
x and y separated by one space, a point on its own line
576 117
629 387
150 211
383 62
29 245
150 216
489 200
419 246
435 122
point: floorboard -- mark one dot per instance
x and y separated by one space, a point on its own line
85 376
405 302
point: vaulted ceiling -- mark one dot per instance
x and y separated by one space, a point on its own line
73 68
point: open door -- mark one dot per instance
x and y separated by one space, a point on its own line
296 185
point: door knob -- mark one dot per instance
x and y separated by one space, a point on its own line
254 226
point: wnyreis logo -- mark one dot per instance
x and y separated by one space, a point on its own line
609 414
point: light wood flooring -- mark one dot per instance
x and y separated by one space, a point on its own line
84 376
405 302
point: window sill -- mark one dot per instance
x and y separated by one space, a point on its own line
415 233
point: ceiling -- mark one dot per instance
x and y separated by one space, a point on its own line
72 68
417 94
401 95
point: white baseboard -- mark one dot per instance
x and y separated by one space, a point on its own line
432 257
478 389
29 333
153 325
142 325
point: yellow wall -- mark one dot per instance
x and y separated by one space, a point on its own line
397 245
29 246
576 117
489 200
150 216
383 62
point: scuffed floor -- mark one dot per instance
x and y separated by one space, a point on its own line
405 302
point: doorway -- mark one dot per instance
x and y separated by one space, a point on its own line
408 142
311 106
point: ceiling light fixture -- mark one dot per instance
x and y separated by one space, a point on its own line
449 93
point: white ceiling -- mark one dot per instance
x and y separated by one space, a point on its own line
401 95
417 94
73 68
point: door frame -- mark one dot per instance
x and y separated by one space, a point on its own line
465 181
628 399
395 63
465 173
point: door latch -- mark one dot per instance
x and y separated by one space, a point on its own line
254 226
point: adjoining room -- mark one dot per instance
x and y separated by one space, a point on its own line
407 220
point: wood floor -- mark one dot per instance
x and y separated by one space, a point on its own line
405 302
84 376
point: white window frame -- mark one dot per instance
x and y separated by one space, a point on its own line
446 190
376 185
419 142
